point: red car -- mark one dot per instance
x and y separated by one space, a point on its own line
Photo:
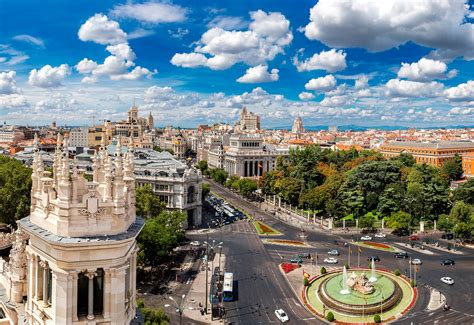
414 237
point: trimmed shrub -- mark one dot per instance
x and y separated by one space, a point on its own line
330 316
306 282
346 265
396 272
377 319
413 283
323 270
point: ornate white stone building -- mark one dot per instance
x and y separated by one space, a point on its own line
297 127
249 121
79 266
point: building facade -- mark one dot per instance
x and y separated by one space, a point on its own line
297 127
468 165
431 153
10 135
79 137
79 266
248 121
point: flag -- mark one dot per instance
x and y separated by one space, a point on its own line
305 275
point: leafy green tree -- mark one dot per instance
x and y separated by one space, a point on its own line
159 236
367 221
147 203
206 189
461 212
202 165
232 182
290 190
445 223
246 186
399 221
452 169
152 316
391 199
465 192
405 159
15 189
219 175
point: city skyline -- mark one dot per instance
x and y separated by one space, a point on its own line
332 63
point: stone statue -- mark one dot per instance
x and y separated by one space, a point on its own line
360 283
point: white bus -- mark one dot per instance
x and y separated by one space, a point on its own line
228 289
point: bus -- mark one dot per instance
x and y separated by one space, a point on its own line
228 289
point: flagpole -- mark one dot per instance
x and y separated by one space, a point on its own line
358 256
350 255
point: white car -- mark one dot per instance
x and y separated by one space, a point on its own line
381 235
447 280
330 260
416 261
333 252
195 243
281 315
365 238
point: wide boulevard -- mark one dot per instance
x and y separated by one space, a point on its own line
262 288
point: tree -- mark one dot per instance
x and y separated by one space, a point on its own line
147 203
445 223
206 189
452 169
202 165
391 199
15 190
367 221
465 192
290 190
399 221
152 316
219 175
160 235
246 186
405 159
232 182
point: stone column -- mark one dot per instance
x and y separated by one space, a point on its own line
383 224
90 300
422 226
31 279
74 279
45 267
434 226
314 217
38 282
330 223
343 224
107 293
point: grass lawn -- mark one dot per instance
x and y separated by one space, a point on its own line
265 230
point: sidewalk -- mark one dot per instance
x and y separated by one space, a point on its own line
197 294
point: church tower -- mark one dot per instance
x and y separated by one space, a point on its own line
82 250
150 122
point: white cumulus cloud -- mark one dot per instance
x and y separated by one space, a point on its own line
188 60
424 70
331 61
8 83
407 88
306 95
151 12
49 76
321 84
259 74
464 91
29 39
381 25
102 30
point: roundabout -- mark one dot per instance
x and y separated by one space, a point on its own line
352 297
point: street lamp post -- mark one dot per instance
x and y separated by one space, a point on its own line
179 306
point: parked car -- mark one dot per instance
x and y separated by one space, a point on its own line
447 236
195 243
330 260
333 252
297 260
447 262
401 255
414 237
416 261
365 238
373 257
379 235
281 315
447 280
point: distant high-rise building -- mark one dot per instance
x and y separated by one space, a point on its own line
297 126
249 121
332 128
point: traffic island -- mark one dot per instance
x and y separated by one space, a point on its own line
389 297
265 230
285 242
377 246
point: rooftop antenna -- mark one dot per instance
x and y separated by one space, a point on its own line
134 101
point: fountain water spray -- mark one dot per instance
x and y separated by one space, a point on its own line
373 278
345 287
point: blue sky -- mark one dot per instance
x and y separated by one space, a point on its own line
394 62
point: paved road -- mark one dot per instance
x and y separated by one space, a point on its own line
262 288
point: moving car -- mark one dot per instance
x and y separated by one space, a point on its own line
401 255
281 315
333 252
414 237
373 257
447 280
304 255
380 235
330 260
297 260
416 261
447 262
365 238
195 243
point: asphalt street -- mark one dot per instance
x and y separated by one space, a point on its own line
262 288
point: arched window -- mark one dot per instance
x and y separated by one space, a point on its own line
190 198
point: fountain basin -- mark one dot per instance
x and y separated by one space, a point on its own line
386 295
